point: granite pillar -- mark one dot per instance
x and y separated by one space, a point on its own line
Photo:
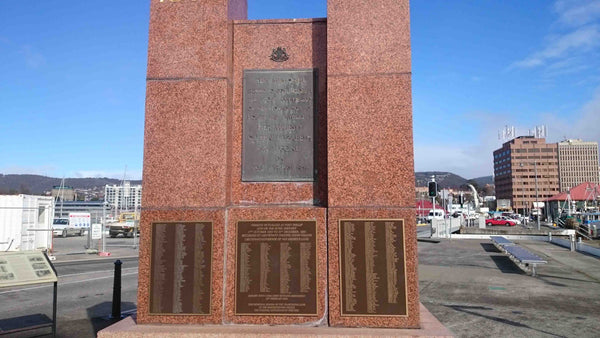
220 248
186 153
370 152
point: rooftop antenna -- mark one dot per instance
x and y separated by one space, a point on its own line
539 131
507 133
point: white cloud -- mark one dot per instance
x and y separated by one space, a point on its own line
45 170
471 158
579 32
585 124
577 12
462 159
33 58
581 40
130 175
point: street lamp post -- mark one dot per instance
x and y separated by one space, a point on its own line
536 195
105 205
522 188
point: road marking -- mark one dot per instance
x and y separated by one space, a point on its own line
86 273
97 278
65 283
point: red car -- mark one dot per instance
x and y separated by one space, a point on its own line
499 221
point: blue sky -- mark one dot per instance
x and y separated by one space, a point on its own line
72 79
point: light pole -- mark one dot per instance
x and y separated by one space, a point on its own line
536 195
105 205
522 188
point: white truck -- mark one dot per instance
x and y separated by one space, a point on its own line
77 224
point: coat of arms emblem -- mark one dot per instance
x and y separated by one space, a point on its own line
279 55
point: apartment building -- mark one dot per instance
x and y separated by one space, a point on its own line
124 197
526 171
577 163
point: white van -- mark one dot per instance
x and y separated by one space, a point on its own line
437 214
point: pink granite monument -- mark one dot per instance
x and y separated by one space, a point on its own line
278 168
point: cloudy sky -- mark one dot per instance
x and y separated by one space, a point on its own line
72 79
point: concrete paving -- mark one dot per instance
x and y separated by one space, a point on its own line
476 291
470 286
76 248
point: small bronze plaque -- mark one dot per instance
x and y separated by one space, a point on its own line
278 125
180 269
372 268
276 271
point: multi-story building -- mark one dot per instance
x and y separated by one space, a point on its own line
577 163
95 208
63 193
125 197
526 171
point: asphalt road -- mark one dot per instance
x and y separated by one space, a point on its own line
77 245
85 290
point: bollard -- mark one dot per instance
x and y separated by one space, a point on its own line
572 240
550 237
116 301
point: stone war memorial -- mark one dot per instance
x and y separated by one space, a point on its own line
278 174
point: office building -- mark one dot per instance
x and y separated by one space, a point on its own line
526 171
577 163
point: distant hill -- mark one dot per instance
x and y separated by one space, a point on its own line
483 180
448 180
37 184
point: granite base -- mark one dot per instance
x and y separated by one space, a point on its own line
430 327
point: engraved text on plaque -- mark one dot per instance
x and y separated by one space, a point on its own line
372 268
181 268
276 268
278 124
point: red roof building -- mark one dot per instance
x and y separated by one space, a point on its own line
586 191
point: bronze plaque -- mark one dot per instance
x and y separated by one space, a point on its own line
278 125
180 268
372 268
276 272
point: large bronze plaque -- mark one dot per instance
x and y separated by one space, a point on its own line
278 125
180 268
276 271
372 268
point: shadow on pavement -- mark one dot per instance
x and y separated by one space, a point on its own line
471 310
506 265
489 247
100 322
98 319
36 324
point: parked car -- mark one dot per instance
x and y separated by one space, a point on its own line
68 226
499 221
511 217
